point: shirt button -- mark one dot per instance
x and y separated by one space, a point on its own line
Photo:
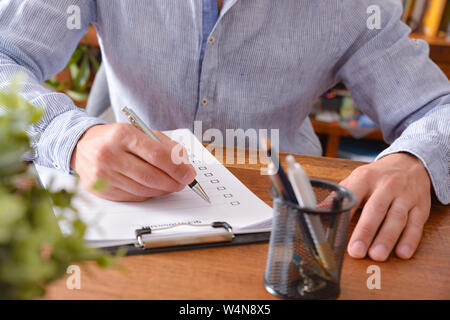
204 101
211 40
55 164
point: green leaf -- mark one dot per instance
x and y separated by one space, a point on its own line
85 72
77 95
53 83
94 62
76 57
74 74
33 251
100 185
12 209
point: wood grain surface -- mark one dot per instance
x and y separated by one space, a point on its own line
237 272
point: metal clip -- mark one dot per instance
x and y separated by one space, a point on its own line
148 238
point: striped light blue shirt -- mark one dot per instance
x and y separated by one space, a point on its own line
264 65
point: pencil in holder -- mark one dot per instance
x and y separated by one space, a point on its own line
307 245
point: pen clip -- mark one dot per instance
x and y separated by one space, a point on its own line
129 116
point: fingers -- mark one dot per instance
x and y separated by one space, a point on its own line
371 218
126 188
145 174
399 202
116 194
357 182
131 186
400 222
163 138
391 230
412 234
160 156
134 165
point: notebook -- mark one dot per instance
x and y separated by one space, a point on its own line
115 223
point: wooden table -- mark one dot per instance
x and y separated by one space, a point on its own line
237 272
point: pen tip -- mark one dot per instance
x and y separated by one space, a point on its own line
206 197
197 188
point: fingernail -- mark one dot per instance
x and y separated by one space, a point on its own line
379 252
405 251
189 177
358 249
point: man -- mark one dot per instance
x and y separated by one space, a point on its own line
256 64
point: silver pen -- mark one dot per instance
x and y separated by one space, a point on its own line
135 120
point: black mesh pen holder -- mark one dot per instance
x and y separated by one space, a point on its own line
307 245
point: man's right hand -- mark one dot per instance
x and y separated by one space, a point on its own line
135 166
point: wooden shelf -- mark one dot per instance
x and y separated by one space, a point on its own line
432 41
335 132
439 51
90 38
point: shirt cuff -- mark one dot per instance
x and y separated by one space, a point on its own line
434 159
55 145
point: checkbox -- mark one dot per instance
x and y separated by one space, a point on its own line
221 188
209 174
235 203
215 181
228 195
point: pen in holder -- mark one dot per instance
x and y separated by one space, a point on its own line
301 265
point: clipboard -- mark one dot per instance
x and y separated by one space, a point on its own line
224 237
216 234
232 202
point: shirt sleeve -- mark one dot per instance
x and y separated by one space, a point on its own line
394 82
35 41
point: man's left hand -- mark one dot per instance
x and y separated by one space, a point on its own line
397 196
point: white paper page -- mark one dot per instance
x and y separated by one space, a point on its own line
116 222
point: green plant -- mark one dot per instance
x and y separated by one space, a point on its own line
33 251
82 66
